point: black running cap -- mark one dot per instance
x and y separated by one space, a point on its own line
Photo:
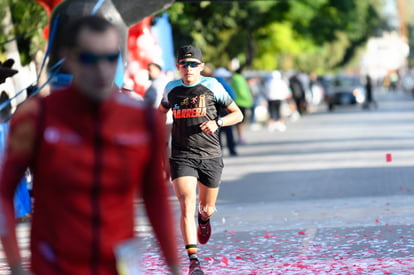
189 51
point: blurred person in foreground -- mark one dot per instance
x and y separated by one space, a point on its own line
196 158
92 151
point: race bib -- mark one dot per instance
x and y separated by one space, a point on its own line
128 257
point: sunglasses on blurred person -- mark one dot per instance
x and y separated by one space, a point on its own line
89 58
186 64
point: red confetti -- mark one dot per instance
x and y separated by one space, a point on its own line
388 157
267 235
301 233
225 260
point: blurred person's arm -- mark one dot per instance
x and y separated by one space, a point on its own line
167 130
164 106
155 194
18 154
162 109
150 96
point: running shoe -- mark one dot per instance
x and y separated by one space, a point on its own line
203 231
195 268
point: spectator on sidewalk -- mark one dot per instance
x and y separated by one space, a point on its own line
369 96
256 85
221 76
154 92
244 100
298 93
276 92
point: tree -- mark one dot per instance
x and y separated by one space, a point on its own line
28 21
222 36
267 34
277 34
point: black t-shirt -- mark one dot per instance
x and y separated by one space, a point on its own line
192 105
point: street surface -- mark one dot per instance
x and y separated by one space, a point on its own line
334 194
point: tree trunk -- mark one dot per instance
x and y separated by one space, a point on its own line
12 50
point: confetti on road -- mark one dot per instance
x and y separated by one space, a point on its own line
359 250
380 249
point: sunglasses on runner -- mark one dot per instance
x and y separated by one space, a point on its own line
88 58
186 64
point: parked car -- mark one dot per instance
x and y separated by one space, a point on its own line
344 90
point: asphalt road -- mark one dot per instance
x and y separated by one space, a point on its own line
331 195
334 194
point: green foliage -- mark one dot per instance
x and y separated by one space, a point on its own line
29 19
409 14
273 40
262 34
299 34
220 27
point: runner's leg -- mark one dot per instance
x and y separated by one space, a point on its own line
207 200
186 191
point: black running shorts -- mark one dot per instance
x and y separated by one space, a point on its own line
207 171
